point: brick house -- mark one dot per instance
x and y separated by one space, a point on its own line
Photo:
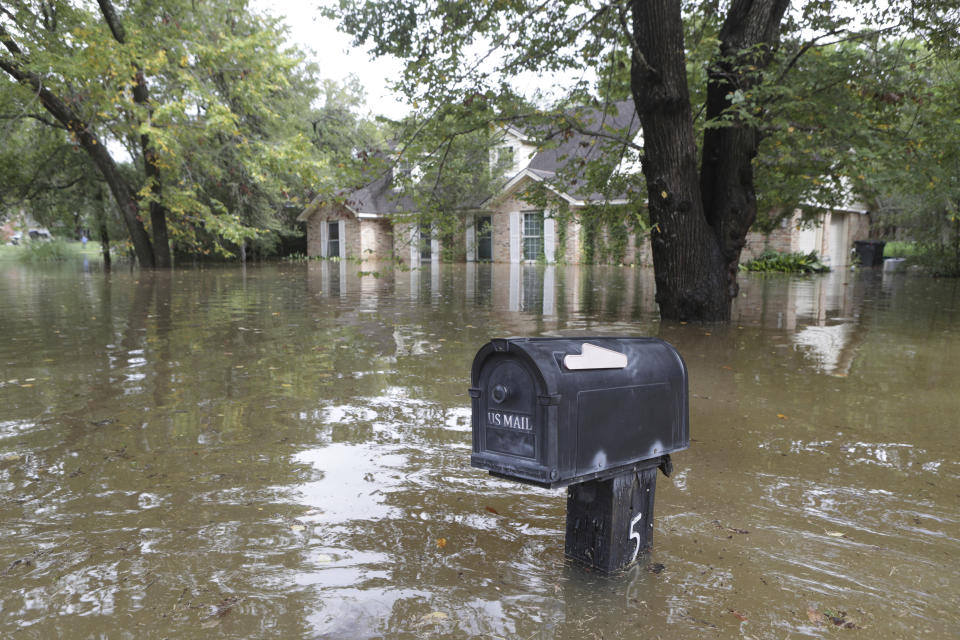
503 228
508 227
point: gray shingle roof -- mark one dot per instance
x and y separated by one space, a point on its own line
561 163
575 146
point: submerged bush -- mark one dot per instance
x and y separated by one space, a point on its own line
48 251
774 262
900 249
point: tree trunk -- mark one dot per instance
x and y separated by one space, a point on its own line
102 230
688 264
700 219
726 176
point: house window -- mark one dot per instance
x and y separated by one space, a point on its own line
484 238
505 159
532 235
333 239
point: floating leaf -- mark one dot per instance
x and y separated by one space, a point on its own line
435 616
836 534
441 543
492 510
782 416
739 616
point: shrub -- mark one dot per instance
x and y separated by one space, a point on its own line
55 250
774 262
900 249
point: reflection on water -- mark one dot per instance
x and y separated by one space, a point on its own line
283 451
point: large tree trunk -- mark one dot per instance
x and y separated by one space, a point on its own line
749 34
700 219
687 261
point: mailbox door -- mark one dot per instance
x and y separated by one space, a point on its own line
510 416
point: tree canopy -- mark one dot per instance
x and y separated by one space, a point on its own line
205 101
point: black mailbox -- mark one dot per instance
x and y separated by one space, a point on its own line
558 411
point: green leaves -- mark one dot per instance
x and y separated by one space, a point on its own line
209 94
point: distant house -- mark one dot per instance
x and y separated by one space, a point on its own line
830 231
511 229
357 225
510 226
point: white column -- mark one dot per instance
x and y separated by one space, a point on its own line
514 303
414 246
434 246
471 238
324 237
343 271
342 243
515 237
549 237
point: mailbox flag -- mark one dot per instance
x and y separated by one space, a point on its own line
593 357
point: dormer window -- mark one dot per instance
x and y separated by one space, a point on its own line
504 159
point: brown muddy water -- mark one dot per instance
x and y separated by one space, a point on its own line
284 452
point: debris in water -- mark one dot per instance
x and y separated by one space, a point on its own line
739 616
837 618
655 567
433 617
441 543
492 510
731 529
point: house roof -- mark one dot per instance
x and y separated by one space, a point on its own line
377 197
562 166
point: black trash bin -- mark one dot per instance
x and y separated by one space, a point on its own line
869 252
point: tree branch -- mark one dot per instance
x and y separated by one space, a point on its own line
113 21
33 116
815 42
634 45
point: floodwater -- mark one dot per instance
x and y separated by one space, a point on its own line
284 452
